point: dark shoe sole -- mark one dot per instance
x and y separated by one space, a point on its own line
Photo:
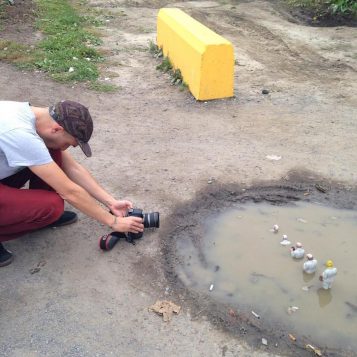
74 220
66 223
6 262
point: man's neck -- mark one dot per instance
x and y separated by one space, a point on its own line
43 119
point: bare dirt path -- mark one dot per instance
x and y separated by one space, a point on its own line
157 146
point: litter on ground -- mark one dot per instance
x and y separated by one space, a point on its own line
165 308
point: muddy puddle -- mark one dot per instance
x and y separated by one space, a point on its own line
241 263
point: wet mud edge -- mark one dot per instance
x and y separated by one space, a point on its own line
185 223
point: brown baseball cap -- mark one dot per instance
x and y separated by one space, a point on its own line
76 120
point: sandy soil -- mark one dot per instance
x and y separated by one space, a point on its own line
158 147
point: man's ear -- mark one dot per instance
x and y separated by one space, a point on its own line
56 128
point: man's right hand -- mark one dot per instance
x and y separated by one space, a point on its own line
128 224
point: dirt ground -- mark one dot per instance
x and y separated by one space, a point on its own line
158 147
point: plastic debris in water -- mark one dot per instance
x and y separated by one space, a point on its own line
321 188
285 240
256 315
275 228
292 309
273 157
316 351
232 313
210 180
264 342
292 337
211 287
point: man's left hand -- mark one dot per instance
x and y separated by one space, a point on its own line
120 208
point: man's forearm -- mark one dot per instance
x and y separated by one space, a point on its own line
80 175
80 199
87 181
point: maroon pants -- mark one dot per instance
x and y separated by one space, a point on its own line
25 210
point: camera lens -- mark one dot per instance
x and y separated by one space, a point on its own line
151 220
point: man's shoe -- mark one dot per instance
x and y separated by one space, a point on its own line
68 217
5 256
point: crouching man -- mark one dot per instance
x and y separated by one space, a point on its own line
33 143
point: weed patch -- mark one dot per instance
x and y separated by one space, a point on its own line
155 50
2 14
328 11
166 67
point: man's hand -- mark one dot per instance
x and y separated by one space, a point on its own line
120 208
128 224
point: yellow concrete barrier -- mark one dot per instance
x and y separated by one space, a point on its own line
205 59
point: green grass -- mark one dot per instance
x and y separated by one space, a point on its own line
13 52
68 51
2 13
67 43
343 7
103 87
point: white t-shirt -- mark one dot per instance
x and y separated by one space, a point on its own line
20 145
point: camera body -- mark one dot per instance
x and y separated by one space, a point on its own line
150 220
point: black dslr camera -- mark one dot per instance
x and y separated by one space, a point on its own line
150 220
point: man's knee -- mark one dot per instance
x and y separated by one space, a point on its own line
55 204
48 208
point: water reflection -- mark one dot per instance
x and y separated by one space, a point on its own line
308 277
325 297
